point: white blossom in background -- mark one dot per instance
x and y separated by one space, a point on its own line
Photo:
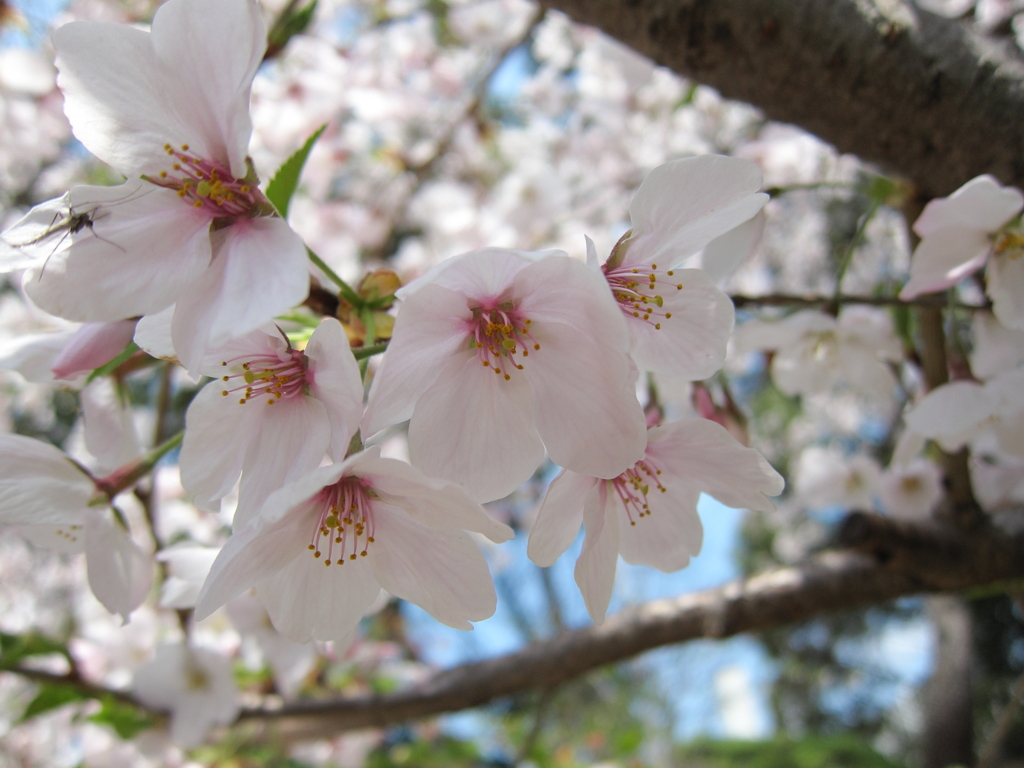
290 662
497 355
322 547
188 564
59 506
910 490
648 514
195 685
815 352
976 225
826 477
957 413
996 348
271 414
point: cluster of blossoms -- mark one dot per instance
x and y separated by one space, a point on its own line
498 358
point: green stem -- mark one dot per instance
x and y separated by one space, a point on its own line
361 353
855 242
344 288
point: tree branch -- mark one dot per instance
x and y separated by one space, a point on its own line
924 96
935 300
892 560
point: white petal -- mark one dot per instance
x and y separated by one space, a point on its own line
35 235
595 570
259 270
723 255
32 354
257 552
980 204
584 401
153 335
120 572
996 347
692 343
705 456
559 517
431 327
431 501
217 434
109 428
944 258
476 429
684 204
127 93
309 601
669 535
1005 285
335 383
951 409
441 570
293 436
213 51
136 258
39 485
483 274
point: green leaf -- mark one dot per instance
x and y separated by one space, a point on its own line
287 26
51 696
286 180
126 720
14 648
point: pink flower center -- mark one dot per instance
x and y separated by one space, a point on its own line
272 375
634 484
498 333
345 521
208 185
638 289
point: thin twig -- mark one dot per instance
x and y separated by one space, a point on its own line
791 300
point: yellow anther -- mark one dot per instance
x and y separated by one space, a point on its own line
184 147
668 315
327 562
317 553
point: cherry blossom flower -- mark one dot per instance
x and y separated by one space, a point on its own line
273 414
59 506
170 106
960 412
648 514
196 685
815 352
978 223
322 547
679 321
498 354
826 477
910 490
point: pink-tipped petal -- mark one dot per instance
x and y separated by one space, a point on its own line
595 570
559 517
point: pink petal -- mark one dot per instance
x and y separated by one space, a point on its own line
39 485
483 274
723 255
336 383
584 402
1005 285
430 329
684 204
120 573
433 502
93 345
259 270
980 204
476 429
944 258
559 517
951 410
705 456
595 570
670 535
692 343
441 570
137 258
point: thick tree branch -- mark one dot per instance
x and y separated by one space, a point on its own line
894 559
924 96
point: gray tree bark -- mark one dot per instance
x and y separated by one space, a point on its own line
923 96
